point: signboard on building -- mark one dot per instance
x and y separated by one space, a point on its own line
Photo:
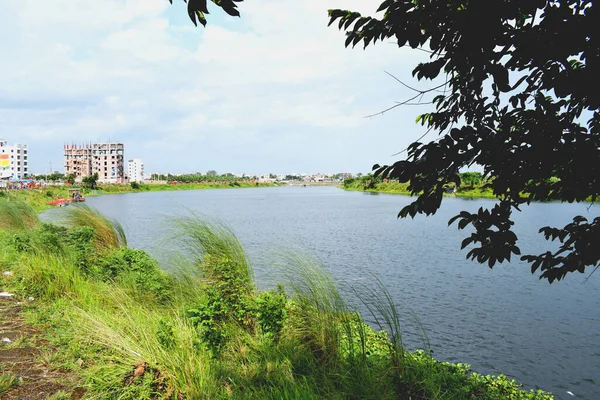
5 171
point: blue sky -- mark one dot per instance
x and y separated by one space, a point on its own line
272 91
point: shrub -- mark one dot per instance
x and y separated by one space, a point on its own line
271 311
211 317
134 268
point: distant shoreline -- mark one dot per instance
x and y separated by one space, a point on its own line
470 194
39 198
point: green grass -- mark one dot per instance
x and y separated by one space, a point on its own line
108 234
131 331
7 381
39 198
161 187
15 214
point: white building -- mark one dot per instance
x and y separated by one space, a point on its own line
135 170
13 161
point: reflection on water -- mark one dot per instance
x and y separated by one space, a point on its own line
503 320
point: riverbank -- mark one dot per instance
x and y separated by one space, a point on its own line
393 187
39 198
127 329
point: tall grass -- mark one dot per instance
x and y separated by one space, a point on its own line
16 215
108 234
139 333
216 249
344 353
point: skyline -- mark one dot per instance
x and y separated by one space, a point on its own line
274 90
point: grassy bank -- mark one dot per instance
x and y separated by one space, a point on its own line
179 186
369 184
129 330
40 197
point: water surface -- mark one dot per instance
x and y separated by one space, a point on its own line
503 320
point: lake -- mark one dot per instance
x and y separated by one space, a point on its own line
503 320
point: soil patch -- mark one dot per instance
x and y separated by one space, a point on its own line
21 360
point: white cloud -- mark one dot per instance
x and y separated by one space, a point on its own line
277 80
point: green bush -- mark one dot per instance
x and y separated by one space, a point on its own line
271 311
134 268
210 317
56 240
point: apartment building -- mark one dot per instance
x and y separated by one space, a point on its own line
108 162
78 161
105 159
13 161
135 170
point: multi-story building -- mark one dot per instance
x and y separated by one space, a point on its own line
13 160
78 161
135 170
105 159
108 162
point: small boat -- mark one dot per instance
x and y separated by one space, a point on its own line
75 195
60 202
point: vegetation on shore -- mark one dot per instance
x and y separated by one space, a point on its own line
38 198
133 331
472 186
159 187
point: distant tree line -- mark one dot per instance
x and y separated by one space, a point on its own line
467 181
210 176
55 177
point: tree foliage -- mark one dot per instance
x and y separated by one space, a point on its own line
516 95
70 179
90 181
517 99
197 9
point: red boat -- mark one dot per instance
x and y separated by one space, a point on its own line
74 197
60 202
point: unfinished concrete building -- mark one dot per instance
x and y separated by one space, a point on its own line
106 159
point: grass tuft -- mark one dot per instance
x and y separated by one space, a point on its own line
108 234
16 215
203 238
8 381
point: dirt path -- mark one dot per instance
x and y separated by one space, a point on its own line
25 361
